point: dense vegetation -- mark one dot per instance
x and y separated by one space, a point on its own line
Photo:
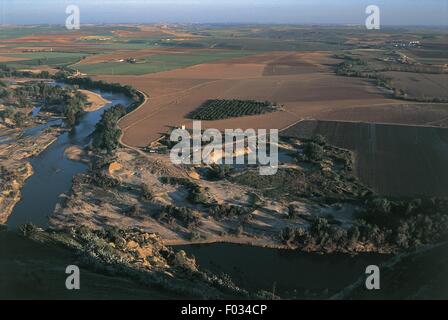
106 135
222 211
98 179
327 175
224 109
217 172
6 71
384 225
63 100
89 84
184 215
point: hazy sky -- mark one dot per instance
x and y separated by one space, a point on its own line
394 12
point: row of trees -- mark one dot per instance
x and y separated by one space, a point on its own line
89 84
7 72
223 109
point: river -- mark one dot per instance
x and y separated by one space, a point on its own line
53 172
290 273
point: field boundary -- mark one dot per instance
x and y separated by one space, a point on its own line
120 139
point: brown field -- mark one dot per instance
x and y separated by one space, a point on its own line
125 53
302 82
414 113
420 85
10 59
53 38
154 31
395 160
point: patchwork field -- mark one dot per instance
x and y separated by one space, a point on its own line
379 98
156 62
396 160
302 83
36 59
180 67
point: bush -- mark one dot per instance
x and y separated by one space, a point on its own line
314 151
196 194
146 192
320 140
218 172
185 215
20 119
221 211
292 212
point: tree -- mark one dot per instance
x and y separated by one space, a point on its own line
106 133
19 119
292 212
146 192
72 112
239 231
320 140
381 205
8 113
314 151
353 235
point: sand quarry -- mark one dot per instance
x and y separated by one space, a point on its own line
304 83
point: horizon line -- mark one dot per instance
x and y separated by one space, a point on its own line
227 23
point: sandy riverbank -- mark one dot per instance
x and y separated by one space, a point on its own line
95 99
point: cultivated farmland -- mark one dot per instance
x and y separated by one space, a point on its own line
224 109
311 89
396 160
157 62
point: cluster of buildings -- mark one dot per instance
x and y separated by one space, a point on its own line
406 44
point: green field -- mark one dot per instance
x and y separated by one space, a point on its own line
53 59
161 62
25 31
259 44
17 32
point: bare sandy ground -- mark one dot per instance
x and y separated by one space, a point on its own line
96 100
94 206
